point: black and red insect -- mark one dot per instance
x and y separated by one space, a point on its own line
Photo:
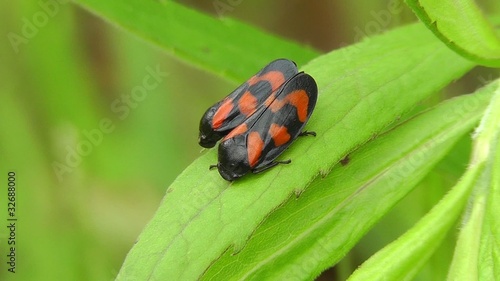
254 145
247 99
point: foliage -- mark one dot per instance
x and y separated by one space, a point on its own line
378 142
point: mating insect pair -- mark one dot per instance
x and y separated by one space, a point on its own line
259 119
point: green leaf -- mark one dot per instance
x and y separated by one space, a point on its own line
404 257
363 88
316 230
461 25
477 254
227 47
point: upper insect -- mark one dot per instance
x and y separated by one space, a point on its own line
233 110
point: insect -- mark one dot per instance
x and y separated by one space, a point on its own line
254 145
233 110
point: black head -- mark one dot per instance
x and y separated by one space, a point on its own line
233 158
208 137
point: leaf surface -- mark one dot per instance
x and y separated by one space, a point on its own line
202 216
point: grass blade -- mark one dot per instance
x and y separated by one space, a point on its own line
227 47
461 25
477 254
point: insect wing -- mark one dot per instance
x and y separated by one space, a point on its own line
233 110
259 140
284 119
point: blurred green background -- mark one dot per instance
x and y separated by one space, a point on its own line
95 139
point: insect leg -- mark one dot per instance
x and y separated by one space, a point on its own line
307 133
270 165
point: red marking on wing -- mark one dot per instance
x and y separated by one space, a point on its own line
297 98
247 103
254 148
222 113
279 134
253 80
275 78
300 100
237 131
270 99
